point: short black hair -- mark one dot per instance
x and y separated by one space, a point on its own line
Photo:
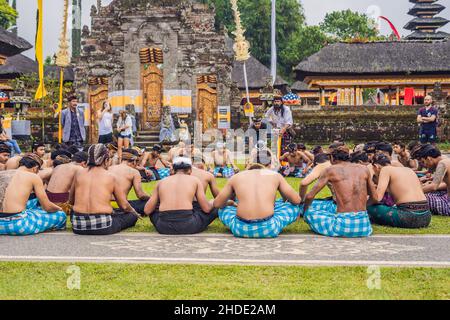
336 145
72 97
157 148
384 147
381 159
359 156
412 145
80 157
317 150
60 152
427 150
370 147
341 154
400 144
292 147
28 163
73 150
37 145
321 158
4 148
301 146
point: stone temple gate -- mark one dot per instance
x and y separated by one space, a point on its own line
151 53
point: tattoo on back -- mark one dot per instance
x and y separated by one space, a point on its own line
441 171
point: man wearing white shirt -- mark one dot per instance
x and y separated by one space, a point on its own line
280 117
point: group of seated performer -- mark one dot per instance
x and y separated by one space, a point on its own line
155 163
368 187
299 161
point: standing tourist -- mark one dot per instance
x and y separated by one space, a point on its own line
105 124
280 117
428 120
72 121
125 127
7 140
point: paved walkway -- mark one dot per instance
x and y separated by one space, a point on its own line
433 251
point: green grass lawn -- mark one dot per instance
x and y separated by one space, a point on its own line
439 225
151 282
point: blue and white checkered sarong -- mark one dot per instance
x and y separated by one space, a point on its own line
227 172
284 214
32 220
163 173
323 219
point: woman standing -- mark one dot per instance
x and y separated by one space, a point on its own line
7 140
125 127
105 124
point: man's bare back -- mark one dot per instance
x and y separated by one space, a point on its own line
22 183
62 178
256 191
95 181
127 178
402 183
178 192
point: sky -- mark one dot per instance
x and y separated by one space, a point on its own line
315 11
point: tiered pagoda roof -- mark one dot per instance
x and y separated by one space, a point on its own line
426 23
10 45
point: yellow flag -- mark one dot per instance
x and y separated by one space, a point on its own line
41 92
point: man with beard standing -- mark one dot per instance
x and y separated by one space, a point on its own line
280 117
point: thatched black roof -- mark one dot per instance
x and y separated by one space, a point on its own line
18 65
426 7
301 86
377 58
257 74
10 44
418 35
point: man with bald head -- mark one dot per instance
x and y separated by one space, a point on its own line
428 119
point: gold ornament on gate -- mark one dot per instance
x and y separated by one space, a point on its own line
62 57
241 46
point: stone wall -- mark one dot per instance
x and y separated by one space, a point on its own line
361 124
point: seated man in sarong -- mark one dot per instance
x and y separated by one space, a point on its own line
5 153
129 177
58 188
176 214
297 162
321 163
18 215
258 214
91 193
150 161
437 191
224 166
351 184
411 208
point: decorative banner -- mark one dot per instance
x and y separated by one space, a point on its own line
224 117
179 101
41 91
120 99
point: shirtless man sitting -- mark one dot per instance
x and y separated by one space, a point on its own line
258 214
253 158
224 166
129 177
437 191
321 163
297 162
91 193
5 153
150 161
175 195
176 151
404 156
351 185
18 215
58 188
411 208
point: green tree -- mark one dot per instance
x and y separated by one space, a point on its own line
8 15
256 17
309 40
346 25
